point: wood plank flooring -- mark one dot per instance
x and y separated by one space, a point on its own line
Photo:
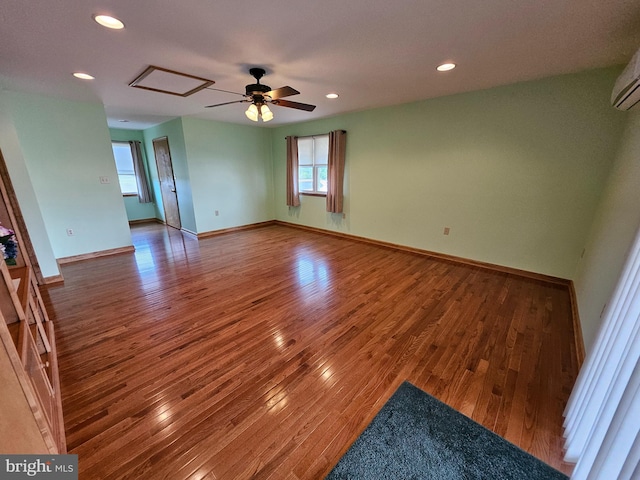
264 353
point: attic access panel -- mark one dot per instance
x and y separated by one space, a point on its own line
158 79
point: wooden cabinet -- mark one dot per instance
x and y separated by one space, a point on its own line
30 402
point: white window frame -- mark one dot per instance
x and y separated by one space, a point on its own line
128 173
315 166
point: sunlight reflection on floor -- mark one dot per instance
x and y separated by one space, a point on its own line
311 269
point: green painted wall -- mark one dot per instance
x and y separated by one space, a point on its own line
66 149
516 172
174 132
124 135
135 209
230 168
12 153
614 229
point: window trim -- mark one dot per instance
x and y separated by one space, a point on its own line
314 167
125 194
314 194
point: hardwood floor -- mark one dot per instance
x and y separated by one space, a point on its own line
264 353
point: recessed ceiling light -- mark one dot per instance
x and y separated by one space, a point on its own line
109 22
332 95
445 67
83 76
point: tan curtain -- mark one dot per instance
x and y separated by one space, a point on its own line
144 191
335 171
293 195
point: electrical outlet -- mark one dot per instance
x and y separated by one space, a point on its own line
446 230
217 213
344 215
104 180
70 232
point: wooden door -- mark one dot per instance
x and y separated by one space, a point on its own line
167 182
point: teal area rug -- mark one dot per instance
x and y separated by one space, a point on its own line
415 436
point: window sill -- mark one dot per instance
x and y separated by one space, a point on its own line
129 194
312 194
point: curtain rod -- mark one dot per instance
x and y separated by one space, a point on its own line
316 135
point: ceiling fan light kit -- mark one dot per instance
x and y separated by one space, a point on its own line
265 113
252 113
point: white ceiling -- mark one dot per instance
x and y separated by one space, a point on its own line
372 52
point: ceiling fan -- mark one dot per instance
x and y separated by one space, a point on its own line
260 95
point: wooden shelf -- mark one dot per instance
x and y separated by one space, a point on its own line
14 331
20 276
28 336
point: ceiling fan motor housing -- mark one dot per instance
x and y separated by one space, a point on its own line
257 89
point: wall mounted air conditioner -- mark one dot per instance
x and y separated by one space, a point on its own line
626 92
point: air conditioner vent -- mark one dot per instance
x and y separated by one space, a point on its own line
626 92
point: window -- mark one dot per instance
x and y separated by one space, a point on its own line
313 156
124 165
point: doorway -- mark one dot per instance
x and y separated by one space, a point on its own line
167 182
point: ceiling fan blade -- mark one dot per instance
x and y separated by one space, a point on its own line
297 105
225 91
226 103
282 92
